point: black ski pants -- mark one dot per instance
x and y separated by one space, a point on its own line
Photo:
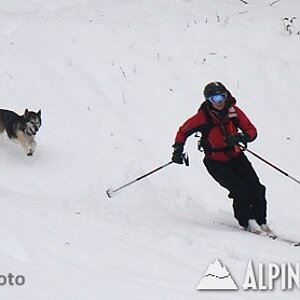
240 179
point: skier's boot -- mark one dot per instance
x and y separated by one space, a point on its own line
266 228
253 227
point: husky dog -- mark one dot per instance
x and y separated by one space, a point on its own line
21 129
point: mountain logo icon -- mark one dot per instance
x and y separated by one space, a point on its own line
217 277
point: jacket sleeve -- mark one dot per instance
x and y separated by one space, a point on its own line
245 125
189 127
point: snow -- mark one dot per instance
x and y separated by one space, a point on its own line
115 79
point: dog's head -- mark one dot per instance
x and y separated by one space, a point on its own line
33 121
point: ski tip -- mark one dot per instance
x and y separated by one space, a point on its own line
297 244
109 193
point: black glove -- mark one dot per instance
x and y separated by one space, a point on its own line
177 154
232 140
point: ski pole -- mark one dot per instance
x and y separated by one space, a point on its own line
270 164
110 192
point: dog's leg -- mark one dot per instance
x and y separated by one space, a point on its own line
2 127
32 145
27 142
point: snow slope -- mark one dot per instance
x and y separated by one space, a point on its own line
115 79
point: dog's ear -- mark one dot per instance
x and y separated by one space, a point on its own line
26 112
39 113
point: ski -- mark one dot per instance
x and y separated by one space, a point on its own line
273 237
283 239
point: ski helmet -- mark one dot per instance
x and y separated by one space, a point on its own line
214 88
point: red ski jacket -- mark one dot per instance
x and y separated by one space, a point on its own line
234 120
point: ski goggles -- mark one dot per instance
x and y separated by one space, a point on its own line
216 99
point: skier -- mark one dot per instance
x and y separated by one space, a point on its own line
223 127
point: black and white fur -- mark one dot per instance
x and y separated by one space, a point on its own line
22 128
